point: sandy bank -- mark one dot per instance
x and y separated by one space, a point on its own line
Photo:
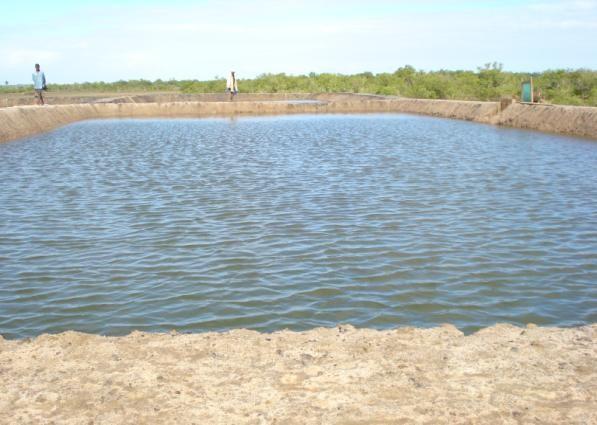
574 120
501 374
22 121
62 98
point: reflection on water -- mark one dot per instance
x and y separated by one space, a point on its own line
295 222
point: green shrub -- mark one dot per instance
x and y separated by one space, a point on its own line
489 82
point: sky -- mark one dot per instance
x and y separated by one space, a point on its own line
110 40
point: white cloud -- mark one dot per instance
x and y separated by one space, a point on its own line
563 6
564 24
18 57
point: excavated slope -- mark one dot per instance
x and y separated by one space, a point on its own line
503 374
21 121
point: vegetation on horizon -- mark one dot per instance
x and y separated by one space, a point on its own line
490 82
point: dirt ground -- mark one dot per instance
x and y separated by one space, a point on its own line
19 118
73 98
503 374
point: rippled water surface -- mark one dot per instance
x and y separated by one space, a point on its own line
295 222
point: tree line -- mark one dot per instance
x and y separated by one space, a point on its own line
489 82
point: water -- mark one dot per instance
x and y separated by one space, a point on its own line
295 222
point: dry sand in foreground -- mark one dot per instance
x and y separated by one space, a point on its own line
501 374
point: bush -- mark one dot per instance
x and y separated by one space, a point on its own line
490 82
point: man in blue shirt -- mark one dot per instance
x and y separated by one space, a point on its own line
39 84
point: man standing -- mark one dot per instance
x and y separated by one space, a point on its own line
232 85
39 84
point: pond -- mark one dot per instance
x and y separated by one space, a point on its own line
267 223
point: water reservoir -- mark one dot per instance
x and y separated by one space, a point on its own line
296 222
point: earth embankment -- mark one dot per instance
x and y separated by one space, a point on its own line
22 121
574 120
502 374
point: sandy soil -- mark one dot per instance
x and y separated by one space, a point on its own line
501 374
575 120
66 98
22 121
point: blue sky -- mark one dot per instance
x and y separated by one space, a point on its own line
78 41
